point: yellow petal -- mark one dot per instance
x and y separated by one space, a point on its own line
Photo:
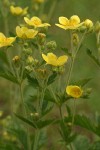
74 20
36 21
25 11
62 60
61 26
2 35
52 59
10 40
63 21
27 21
31 33
19 31
16 10
45 57
44 25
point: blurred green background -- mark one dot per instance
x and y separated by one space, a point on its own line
84 67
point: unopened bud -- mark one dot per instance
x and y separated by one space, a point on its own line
97 27
51 45
30 60
42 73
16 60
88 23
27 51
75 39
41 38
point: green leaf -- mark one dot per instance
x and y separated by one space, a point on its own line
48 96
82 82
27 121
9 76
95 146
3 57
46 108
52 78
68 110
33 81
43 123
66 51
94 58
85 122
36 124
81 143
21 136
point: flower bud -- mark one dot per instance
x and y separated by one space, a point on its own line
97 27
29 68
41 38
30 60
16 60
88 23
42 73
51 45
27 51
75 39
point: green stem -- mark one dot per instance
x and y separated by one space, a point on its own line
25 115
35 147
73 117
52 10
73 58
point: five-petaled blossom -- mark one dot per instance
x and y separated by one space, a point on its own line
53 60
4 41
74 91
18 10
25 33
72 23
36 22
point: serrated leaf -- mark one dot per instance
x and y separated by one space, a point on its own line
85 122
52 78
32 81
36 124
43 123
27 121
82 82
81 142
96 60
21 136
66 51
9 76
48 96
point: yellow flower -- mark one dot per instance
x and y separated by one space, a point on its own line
36 22
4 41
39 1
24 32
74 91
53 60
18 10
88 23
72 23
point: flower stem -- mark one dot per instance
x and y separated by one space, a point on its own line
25 115
52 10
73 117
